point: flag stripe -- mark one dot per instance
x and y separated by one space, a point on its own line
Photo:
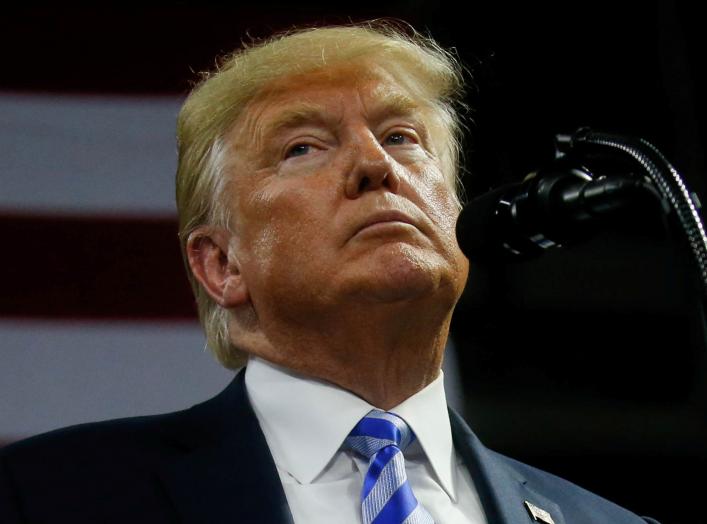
93 267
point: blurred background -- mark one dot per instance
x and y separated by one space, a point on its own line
588 362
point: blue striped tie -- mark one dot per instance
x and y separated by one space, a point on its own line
386 497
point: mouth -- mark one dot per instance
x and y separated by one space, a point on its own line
385 218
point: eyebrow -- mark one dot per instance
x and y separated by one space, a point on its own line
301 114
306 113
393 104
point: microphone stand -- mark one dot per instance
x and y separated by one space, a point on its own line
557 205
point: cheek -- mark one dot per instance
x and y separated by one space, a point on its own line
285 225
438 200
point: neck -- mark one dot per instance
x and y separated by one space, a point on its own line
384 353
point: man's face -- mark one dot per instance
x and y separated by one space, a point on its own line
338 197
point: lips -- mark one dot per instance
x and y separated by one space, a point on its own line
385 216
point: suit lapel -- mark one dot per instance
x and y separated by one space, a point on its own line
226 473
502 490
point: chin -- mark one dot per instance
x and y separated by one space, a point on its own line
401 273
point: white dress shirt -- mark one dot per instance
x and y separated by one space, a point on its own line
305 422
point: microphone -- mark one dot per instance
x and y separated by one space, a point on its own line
549 208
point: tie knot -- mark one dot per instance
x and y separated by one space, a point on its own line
378 430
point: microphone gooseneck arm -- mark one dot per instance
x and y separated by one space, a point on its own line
667 180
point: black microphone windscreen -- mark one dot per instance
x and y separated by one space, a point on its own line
475 231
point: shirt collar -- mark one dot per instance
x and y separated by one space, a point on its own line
426 413
306 420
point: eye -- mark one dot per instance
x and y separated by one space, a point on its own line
298 150
398 139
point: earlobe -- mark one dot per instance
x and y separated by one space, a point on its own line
215 266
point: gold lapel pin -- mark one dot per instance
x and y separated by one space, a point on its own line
538 514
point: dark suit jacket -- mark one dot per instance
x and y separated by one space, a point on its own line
210 464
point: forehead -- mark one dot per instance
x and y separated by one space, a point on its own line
374 81
302 98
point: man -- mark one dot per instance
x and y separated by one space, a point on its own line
316 194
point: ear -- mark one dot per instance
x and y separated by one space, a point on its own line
216 267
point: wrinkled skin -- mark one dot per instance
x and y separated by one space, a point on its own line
344 264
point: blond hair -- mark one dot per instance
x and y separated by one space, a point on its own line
429 73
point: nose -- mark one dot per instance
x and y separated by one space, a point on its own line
372 168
